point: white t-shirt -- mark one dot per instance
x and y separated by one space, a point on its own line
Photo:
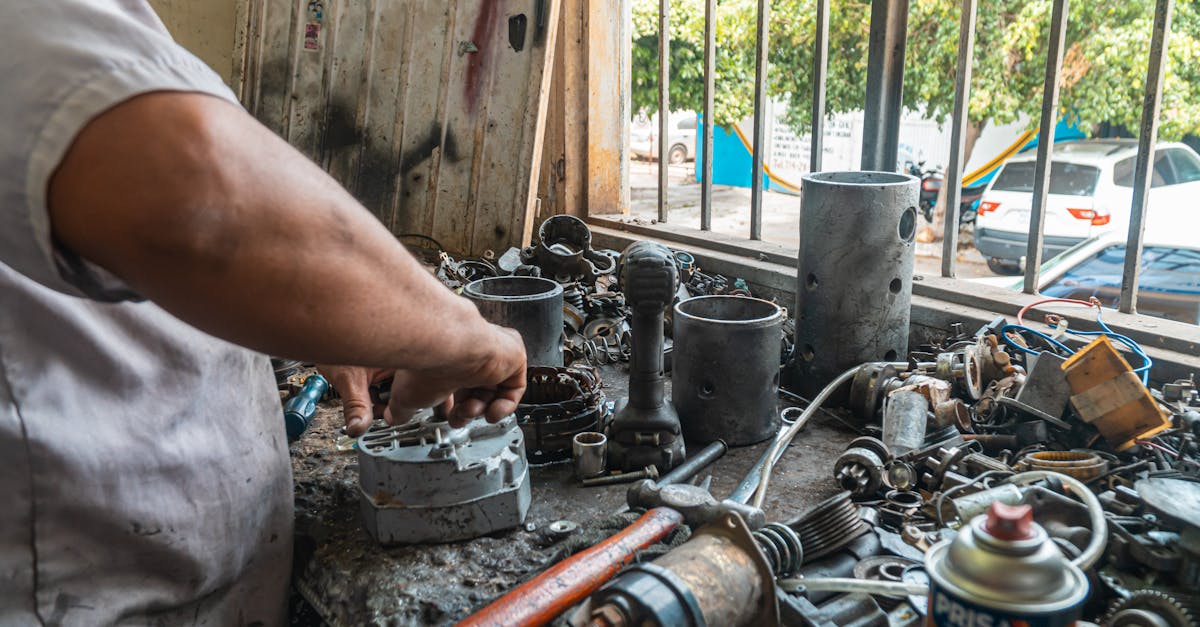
143 464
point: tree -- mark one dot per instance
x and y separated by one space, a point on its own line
1104 68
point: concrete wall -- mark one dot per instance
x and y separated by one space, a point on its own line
206 27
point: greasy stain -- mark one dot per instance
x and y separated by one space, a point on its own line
477 62
424 149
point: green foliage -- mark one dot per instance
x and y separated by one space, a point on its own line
1104 71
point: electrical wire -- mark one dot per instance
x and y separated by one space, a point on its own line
422 236
1059 324
785 437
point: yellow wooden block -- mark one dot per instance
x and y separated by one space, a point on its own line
1108 394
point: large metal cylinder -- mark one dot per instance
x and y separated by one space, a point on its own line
854 276
726 368
531 305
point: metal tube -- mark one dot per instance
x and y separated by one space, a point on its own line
532 306
1147 137
885 84
762 31
706 139
958 137
694 464
1041 174
820 67
664 102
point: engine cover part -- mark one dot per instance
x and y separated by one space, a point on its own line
725 383
854 273
645 429
427 482
532 306
558 404
564 251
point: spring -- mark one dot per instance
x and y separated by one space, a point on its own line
782 547
830 526
574 298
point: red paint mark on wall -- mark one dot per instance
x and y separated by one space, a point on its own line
480 60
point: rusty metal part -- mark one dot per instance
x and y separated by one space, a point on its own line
953 412
718 577
829 526
427 482
860 468
1079 464
564 251
869 387
543 598
962 368
558 404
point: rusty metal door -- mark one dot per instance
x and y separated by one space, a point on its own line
429 111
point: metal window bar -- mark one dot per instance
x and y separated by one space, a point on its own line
762 31
664 109
820 69
958 137
706 149
1147 137
888 23
1041 172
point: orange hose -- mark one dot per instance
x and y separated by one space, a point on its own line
541 599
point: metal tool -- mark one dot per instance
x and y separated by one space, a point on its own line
645 428
299 410
1003 569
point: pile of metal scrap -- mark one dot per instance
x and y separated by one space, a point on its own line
990 486
1107 469
595 314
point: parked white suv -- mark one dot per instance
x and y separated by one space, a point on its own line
1091 190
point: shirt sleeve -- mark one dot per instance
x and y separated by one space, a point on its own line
75 60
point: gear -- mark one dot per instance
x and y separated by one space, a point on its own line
1148 608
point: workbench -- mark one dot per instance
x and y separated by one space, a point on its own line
348 579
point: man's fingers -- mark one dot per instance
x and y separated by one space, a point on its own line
470 408
351 384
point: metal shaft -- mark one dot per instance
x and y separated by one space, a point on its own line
694 464
649 472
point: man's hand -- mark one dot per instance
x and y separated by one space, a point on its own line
491 389
352 384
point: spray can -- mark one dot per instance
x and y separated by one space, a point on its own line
1002 570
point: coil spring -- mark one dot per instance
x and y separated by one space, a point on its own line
574 298
782 547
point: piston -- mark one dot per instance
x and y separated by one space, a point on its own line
532 306
1002 569
855 273
726 378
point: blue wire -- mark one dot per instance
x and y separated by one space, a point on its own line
1053 342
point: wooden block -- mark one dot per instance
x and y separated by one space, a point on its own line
1106 393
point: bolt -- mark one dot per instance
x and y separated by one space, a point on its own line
649 472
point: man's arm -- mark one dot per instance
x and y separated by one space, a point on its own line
201 209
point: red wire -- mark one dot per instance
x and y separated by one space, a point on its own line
1092 302
1157 446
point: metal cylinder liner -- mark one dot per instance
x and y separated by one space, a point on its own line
854 273
726 368
532 306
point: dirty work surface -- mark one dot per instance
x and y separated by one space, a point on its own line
351 580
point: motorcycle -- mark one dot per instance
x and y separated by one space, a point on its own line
931 186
